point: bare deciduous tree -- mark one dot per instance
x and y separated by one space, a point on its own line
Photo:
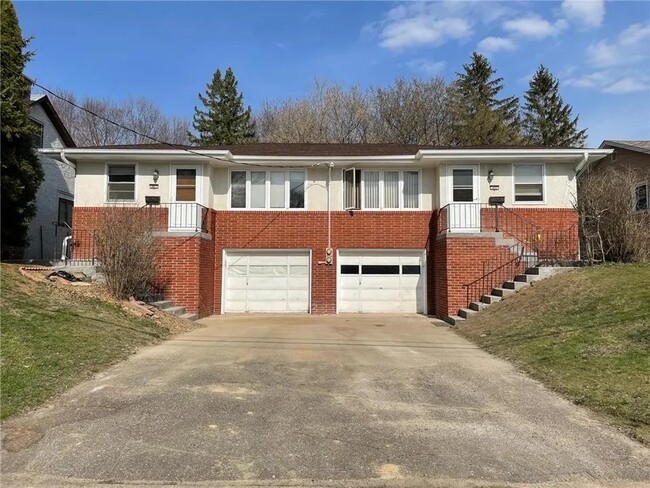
139 114
410 111
127 250
612 230
329 114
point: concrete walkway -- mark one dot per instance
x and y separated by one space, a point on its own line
316 401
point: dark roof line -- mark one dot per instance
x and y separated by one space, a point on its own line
315 149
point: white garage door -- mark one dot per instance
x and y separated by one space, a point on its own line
266 281
381 281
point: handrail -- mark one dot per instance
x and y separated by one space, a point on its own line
552 245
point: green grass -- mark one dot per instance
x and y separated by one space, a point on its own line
52 339
585 334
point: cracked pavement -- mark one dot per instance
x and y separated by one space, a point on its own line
348 400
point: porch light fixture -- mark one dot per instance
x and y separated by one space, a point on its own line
156 175
490 176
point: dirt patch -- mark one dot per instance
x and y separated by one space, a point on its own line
98 291
18 439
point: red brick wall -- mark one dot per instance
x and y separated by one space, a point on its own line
191 267
459 261
308 230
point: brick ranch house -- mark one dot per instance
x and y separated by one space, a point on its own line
335 228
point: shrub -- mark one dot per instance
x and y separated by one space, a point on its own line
611 228
127 249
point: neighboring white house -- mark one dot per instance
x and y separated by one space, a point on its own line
55 197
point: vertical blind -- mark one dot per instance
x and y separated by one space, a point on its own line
411 189
258 189
391 189
277 189
371 189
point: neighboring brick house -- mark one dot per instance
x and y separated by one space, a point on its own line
628 154
333 228
54 200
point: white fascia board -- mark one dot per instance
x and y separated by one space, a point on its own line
339 161
134 155
576 156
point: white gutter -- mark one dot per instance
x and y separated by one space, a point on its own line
66 160
582 163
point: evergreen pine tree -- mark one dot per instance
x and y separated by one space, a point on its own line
21 169
224 120
547 120
480 117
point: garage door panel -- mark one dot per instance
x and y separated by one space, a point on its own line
267 281
236 283
298 283
381 283
270 283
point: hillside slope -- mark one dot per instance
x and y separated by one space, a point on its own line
586 334
53 338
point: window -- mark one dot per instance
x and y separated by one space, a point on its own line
121 182
641 197
463 185
529 183
185 185
379 269
267 189
352 188
37 137
381 190
65 212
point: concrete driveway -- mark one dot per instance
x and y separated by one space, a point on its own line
316 401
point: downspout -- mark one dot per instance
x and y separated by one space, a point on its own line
328 251
582 164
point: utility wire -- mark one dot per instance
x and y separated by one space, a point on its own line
146 136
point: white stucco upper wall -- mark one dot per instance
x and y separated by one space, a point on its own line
214 182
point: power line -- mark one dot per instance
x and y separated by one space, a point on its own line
146 136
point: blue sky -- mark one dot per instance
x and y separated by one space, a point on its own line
168 51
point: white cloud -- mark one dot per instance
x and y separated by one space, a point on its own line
418 31
589 12
626 85
630 47
432 24
534 27
426 66
591 80
495 44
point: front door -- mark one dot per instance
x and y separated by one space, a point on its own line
464 206
184 214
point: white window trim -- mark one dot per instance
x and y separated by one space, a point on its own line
544 186
400 184
198 198
647 190
267 189
135 182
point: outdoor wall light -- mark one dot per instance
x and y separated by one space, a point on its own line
156 175
490 176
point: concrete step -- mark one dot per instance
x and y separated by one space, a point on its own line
525 278
163 304
190 316
490 299
175 310
502 292
466 313
454 319
478 306
515 285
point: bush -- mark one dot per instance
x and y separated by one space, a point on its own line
611 228
127 250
